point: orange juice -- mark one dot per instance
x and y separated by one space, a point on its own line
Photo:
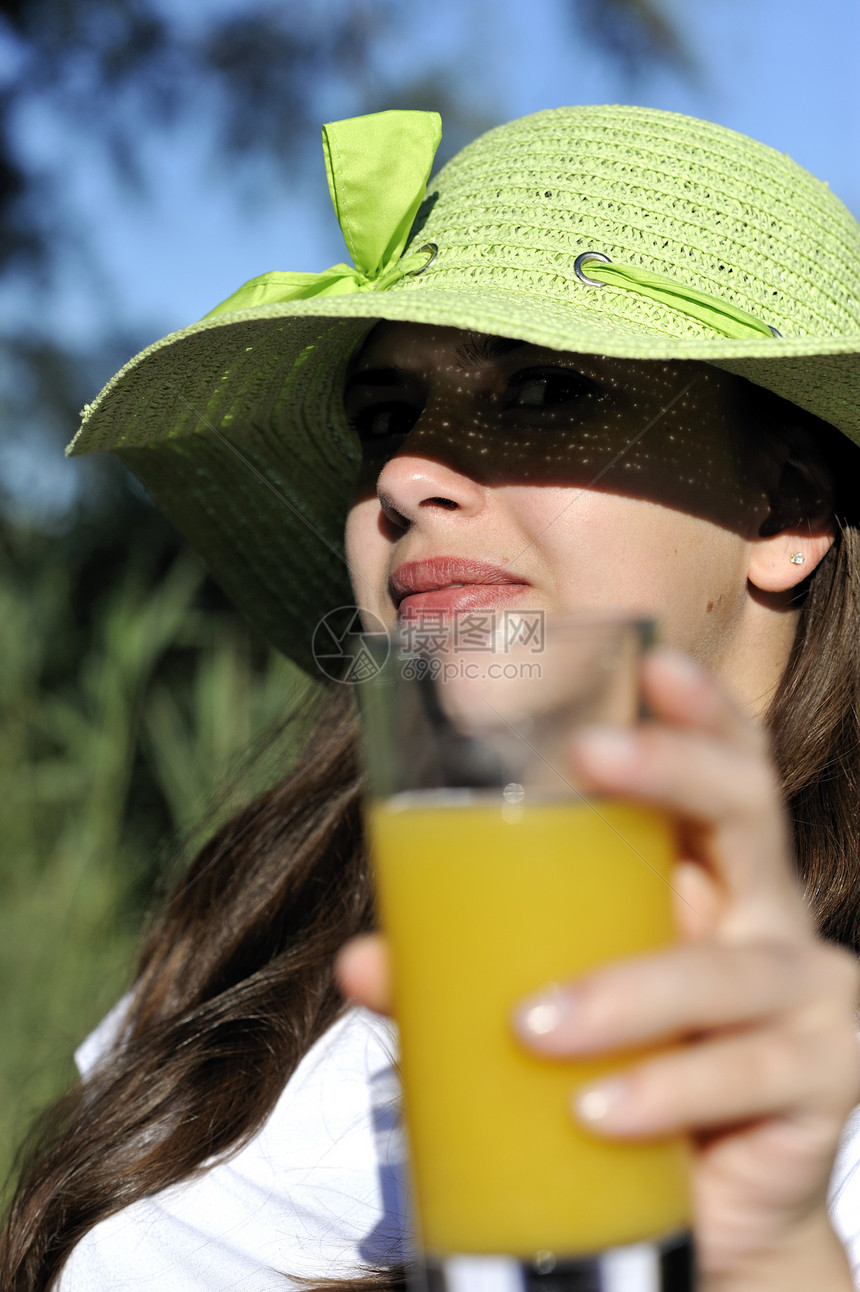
483 904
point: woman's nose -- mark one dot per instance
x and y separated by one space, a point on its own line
411 487
432 471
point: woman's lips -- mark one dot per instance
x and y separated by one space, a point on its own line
452 585
455 601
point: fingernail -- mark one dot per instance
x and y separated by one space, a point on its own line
541 1017
603 1103
608 748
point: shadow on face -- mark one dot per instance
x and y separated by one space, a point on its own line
681 434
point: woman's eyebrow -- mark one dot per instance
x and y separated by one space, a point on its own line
476 349
470 353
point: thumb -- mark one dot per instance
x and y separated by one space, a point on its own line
362 973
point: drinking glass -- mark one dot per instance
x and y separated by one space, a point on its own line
497 876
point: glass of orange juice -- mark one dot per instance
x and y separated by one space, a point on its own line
496 877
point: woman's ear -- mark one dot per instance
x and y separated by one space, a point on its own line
784 560
799 528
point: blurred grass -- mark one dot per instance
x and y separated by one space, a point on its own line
119 729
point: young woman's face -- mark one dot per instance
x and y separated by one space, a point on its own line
499 475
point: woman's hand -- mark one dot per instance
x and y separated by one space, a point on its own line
758 1015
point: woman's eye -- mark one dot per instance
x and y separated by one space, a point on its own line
378 424
547 388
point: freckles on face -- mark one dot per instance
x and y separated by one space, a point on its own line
608 551
601 482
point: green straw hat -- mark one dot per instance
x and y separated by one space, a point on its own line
620 231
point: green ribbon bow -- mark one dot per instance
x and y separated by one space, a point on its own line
377 168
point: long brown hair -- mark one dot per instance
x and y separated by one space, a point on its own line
209 1041
235 979
815 732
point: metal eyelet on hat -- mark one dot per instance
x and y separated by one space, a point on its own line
589 255
652 285
433 248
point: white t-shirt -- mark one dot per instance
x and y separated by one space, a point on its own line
845 1193
319 1192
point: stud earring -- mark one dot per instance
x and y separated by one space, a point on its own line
797 558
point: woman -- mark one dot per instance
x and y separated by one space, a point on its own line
617 344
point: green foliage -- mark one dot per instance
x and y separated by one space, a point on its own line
111 739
